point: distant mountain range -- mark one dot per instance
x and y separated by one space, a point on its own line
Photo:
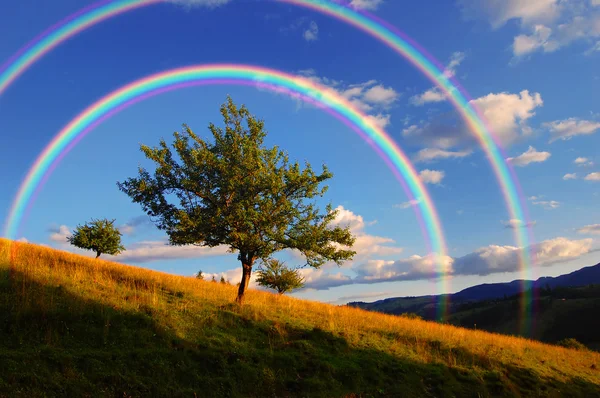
426 305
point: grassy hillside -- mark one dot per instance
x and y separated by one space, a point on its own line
74 326
565 312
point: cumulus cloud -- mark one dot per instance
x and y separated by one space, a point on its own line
148 251
590 229
568 128
320 279
427 155
312 33
366 245
538 39
570 176
496 259
59 234
411 268
528 157
434 94
506 114
431 176
585 162
515 223
498 12
593 176
545 25
484 261
370 97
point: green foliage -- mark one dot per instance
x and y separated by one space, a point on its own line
412 315
571 343
275 275
100 236
239 193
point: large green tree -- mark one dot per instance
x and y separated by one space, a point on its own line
100 236
238 193
276 275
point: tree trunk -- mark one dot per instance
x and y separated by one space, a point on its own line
246 272
98 254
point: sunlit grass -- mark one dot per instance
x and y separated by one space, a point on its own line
202 313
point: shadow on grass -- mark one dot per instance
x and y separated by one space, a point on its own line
53 342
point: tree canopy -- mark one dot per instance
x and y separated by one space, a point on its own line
276 275
239 193
100 236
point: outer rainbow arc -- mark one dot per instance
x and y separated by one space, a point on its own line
151 85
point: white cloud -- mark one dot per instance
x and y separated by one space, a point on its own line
382 120
320 279
200 3
456 59
498 12
568 128
370 97
434 94
545 25
431 176
538 39
496 259
570 176
593 176
366 245
23 239
433 154
547 204
148 251
366 4
59 234
505 114
406 205
528 157
412 268
515 223
483 261
312 33
590 229
583 162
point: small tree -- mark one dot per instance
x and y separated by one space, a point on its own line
200 275
223 281
239 194
275 275
100 236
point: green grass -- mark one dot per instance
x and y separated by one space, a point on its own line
74 326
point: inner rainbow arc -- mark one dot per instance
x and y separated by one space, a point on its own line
257 76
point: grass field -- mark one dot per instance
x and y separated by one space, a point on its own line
75 326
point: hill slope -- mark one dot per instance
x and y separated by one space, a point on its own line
74 326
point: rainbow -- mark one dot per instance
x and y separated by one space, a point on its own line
378 29
256 76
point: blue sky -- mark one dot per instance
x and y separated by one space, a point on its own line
532 66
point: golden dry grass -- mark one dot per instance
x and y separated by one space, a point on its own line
137 289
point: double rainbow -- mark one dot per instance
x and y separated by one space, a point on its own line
369 24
